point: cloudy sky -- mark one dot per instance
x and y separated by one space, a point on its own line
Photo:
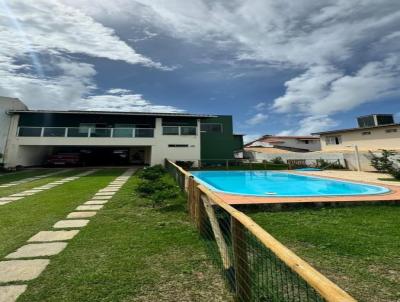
287 67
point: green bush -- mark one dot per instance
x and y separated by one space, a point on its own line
382 163
277 161
159 197
152 173
156 186
323 164
185 164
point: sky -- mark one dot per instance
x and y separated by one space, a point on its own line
279 67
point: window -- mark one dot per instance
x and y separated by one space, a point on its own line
188 130
170 130
391 130
84 128
333 140
366 133
178 146
211 128
306 141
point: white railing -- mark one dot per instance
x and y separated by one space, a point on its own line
84 132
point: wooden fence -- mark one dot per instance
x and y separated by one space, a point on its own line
257 267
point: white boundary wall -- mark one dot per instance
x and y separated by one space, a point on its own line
345 158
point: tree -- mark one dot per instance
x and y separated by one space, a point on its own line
382 163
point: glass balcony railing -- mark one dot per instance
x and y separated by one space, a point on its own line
85 132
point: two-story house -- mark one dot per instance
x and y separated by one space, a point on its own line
108 138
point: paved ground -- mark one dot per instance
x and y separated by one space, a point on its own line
48 243
372 177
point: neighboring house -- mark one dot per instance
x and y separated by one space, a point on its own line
7 104
374 132
117 137
287 143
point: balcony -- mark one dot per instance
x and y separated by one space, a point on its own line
84 132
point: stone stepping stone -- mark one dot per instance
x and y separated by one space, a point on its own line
108 190
10 293
70 224
10 198
46 236
21 194
96 202
101 197
21 270
89 207
33 250
105 194
75 215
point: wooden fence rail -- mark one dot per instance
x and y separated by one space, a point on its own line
258 266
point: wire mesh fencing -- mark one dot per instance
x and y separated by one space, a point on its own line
255 265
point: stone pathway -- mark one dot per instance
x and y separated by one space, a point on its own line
18 266
29 179
21 195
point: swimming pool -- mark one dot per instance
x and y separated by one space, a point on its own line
272 183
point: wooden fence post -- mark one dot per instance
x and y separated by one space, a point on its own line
241 264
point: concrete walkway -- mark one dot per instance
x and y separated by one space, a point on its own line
29 179
372 177
30 260
21 195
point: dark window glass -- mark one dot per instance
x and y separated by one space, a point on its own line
188 130
213 128
170 130
178 146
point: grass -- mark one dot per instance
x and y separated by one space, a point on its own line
14 176
356 247
36 183
132 252
389 179
22 219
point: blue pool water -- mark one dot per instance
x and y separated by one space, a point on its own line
271 183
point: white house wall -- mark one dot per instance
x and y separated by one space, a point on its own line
7 104
159 144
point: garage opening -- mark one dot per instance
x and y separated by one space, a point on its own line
102 156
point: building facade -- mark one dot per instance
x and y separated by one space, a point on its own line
109 138
375 132
7 104
288 143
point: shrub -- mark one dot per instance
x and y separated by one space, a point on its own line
324 164
159 197
381 163
185 164
157 190
277 161
395 172
152 173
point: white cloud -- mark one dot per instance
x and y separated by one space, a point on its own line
325 90
310 125
117 99
32 30
345 50
258 118
251 137
260 106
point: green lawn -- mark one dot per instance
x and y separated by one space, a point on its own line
129 252
37 183
23 218
14 176
357 247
